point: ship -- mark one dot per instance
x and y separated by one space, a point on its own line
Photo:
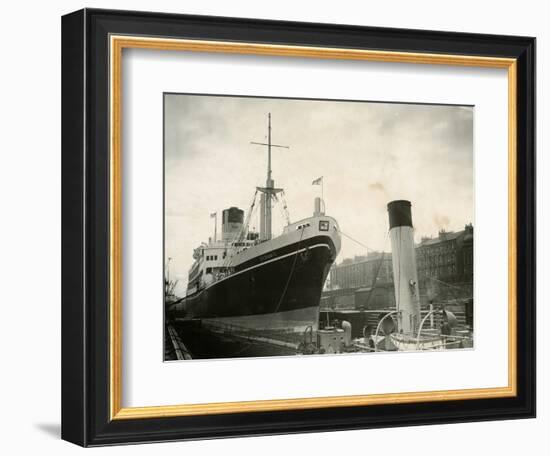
254 281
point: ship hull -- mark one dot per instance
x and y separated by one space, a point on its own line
288 321
279 291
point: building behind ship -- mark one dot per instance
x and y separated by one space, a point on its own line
445 273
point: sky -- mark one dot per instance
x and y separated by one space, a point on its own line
368 154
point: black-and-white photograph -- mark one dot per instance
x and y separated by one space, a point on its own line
312 227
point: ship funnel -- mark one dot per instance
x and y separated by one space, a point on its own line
232 223
405 276
317 207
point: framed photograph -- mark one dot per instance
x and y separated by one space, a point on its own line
279 227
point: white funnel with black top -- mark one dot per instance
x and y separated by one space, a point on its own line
405 278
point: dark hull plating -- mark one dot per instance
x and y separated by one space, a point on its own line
290 279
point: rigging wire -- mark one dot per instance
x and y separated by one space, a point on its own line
284 213
454 289
285 207
354 240
240 234
380 262
244 228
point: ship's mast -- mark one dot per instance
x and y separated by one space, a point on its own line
269 191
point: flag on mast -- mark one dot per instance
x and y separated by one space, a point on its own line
318 181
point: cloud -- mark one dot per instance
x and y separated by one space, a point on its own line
378 186
442 221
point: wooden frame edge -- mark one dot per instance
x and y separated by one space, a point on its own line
120 42
310 403
115 213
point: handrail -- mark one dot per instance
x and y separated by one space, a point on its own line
431 312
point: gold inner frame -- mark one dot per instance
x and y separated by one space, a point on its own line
117 44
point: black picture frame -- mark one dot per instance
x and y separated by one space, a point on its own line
85 227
